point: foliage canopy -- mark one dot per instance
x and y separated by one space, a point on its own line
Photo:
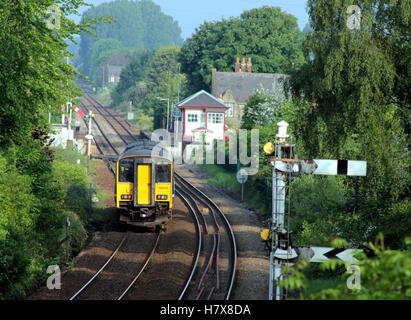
269 36
138 25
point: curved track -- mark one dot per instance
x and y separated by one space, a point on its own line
215 277
209 278
107 146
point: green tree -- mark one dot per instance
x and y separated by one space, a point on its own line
33 76
150 75
268 35
307 28
162 81
33 73
100 51
139 25
356 80
262 108
133 77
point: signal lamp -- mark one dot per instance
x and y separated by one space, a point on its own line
269 149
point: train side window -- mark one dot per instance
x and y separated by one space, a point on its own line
126 171
163 173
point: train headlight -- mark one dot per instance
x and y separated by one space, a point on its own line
126 197
161 197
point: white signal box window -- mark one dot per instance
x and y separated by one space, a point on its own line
192 117
215 118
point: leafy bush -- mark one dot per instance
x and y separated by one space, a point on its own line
385 276
17 221
14 261
36 196
317 209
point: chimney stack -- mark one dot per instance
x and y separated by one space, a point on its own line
237 65
243 65
249 64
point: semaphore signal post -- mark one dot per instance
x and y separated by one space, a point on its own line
285 167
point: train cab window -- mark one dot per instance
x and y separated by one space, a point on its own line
163 173
126 171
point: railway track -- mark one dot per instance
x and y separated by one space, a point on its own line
113 260
105 145
101 119
124 132
214 264
215 229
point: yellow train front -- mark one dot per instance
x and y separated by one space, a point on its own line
144 186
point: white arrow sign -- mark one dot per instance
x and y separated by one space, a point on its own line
334 167
323 167
322 254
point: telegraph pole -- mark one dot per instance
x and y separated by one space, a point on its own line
89 137
67 237
168 109
178 92
168 112
89 132
69 140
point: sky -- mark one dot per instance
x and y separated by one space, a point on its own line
190 14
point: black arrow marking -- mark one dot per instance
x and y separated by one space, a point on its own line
342 167
333 253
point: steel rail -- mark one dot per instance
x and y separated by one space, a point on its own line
109 122
211 293
197 225
198 296
125 236
98 145
217 287
204 203
102 132
101 269
108 111
210 261
215 253
213 258
184 190
142 268
231 233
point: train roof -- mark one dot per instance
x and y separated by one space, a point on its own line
142 147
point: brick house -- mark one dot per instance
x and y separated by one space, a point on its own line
234 88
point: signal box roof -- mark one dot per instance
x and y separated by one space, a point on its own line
202 100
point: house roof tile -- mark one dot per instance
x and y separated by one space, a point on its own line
242 84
